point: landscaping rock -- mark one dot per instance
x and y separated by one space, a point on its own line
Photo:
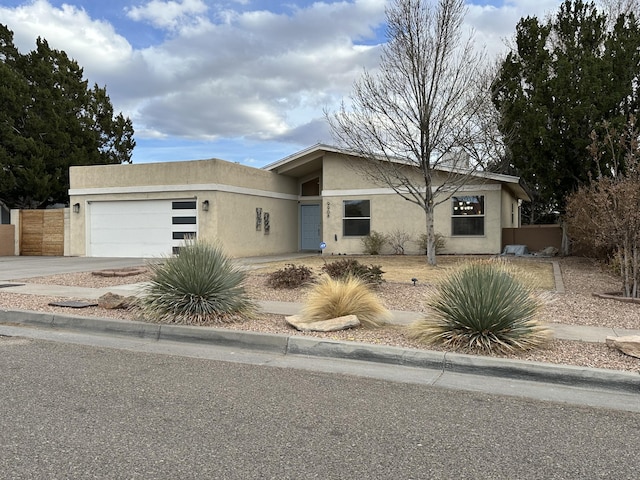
113 301
122 272
332 325
549 252
73 304
629 345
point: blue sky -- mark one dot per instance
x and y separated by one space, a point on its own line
241 80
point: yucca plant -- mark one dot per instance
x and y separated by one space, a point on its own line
483 308
331 298
199 286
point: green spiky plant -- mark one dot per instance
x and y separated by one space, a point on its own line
483 308
199 286
331 298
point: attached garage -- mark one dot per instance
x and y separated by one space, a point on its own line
140 228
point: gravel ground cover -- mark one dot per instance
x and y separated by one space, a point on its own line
576 306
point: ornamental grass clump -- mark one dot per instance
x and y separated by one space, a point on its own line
332 298
199 286
483 308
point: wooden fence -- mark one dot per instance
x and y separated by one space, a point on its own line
42 232
7 240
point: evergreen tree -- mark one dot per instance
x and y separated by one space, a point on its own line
564 78
49 121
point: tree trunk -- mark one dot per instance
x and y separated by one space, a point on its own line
431 236
564 245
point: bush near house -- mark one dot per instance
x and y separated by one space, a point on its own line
291 276
350 267
398 239
441 242
200 286
373 243
332 298
483 308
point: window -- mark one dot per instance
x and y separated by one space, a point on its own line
183 205
311 188
356 220
467 215
183 220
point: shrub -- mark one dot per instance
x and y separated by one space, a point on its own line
483 308
441 242
331 298
398 239
350 267
199 286
373 243
291 276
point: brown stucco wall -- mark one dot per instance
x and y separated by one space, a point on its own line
535 237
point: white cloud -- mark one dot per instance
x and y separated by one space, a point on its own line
93 43
227 71
257 73
170 15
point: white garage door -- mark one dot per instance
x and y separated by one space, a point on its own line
140 228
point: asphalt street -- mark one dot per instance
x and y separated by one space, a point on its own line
91 411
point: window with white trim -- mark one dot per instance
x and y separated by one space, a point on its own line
467 215
356 218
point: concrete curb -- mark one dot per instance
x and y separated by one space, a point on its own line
447 362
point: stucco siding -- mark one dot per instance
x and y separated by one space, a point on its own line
196 172
234 225
236 193
233 192
390 212
489 243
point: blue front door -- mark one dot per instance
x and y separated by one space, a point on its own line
310 227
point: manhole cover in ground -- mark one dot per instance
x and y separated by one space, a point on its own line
73 304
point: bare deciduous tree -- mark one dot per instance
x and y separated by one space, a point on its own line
604 216
615 8
424 110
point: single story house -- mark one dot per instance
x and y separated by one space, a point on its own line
312 200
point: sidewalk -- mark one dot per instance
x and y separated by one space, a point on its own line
444 365
561 331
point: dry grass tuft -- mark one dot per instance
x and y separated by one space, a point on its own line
331 298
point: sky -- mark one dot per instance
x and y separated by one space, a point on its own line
246 81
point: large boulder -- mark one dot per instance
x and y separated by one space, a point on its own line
332 325
629 345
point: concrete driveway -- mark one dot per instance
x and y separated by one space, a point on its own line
13 268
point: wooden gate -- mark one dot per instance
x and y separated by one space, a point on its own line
42 232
